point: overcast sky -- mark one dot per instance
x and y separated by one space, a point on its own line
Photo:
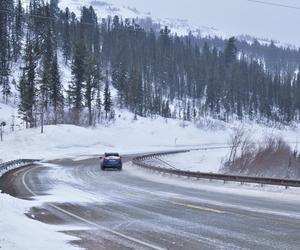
231 17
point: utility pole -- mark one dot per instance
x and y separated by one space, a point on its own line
2 125
42 123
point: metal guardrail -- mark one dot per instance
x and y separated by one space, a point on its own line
141 162
11 165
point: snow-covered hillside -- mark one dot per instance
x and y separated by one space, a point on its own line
107 8
177 25
127 135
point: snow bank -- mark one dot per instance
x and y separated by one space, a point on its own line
16 229
126 135
211 160
198 160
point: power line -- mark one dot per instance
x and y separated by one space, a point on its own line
275 4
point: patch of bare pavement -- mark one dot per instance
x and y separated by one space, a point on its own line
120 210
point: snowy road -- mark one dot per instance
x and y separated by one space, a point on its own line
123 210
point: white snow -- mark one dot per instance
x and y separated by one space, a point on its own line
198 160
211 160
16 229
126 135
102 8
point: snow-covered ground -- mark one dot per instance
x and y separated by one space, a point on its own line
127 135
16 228
198 160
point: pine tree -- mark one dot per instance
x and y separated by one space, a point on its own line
27 84
188 112
98 103
136 95
107 100
98 89
5 45
90 87
230 52
77 84
119 81
66 36
56 97
18 33
48 61
54 9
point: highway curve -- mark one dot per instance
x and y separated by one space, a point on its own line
127 211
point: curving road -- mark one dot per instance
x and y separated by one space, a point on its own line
122 210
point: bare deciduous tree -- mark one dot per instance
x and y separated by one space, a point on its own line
272 157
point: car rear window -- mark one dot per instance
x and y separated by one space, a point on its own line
111 154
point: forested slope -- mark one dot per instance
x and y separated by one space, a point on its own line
154 72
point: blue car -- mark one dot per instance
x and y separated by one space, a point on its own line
112 161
